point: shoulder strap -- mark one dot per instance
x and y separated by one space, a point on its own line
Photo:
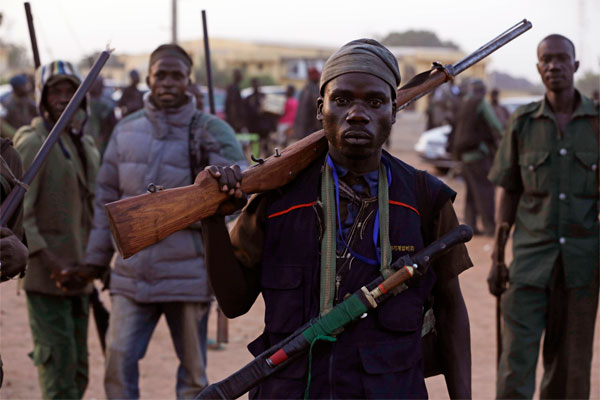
198 157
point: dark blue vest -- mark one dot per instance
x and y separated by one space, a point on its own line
379 356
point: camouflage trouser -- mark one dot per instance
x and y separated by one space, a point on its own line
59 328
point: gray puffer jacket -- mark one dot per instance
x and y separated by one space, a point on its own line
152 146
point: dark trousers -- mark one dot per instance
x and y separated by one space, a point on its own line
567 316
480 194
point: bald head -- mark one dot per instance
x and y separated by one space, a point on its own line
556 36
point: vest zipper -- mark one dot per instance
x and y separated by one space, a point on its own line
338 280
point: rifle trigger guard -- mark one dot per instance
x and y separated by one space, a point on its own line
438 66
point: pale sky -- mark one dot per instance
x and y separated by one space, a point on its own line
71 28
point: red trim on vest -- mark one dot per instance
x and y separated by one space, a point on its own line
397 203
277 214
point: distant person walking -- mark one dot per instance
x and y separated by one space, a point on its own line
131 99
101 116
306 121
196 91
19 108
285 125
258 121
474 143
501 112
234 105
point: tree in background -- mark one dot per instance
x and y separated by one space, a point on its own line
589 82
416 38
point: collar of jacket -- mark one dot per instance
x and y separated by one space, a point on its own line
585 107
164 119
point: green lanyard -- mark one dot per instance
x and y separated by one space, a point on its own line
328 243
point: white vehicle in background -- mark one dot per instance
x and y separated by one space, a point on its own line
432 143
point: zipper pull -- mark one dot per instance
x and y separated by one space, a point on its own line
338 280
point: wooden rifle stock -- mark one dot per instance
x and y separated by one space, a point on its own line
137 222
140 221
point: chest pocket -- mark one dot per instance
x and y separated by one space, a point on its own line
535 172
584 180
284 300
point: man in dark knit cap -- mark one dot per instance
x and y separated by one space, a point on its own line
338 226
166 143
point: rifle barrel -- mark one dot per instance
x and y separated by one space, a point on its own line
34 46
490 47
209 81
473 58
16 195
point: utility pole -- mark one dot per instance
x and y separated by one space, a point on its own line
174 21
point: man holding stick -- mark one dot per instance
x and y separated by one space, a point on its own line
57 219
547 170
164 145
336 227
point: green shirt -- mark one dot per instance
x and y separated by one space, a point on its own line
557 177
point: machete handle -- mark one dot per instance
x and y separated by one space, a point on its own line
461 234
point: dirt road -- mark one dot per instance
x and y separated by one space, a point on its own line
158 368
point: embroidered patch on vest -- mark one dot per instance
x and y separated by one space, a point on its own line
403 247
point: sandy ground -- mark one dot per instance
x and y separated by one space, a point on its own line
158 368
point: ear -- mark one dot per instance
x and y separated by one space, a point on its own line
320 109
576 65
539 69
394 111
148 80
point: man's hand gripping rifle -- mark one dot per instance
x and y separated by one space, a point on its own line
354 307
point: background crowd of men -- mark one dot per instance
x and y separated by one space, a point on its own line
544 158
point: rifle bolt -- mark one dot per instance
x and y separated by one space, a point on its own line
152 188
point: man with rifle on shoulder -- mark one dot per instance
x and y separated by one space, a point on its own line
57 219
335 228
163 145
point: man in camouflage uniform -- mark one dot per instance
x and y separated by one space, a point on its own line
547 170
58 217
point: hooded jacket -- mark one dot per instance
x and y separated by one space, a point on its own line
58 204
152 146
